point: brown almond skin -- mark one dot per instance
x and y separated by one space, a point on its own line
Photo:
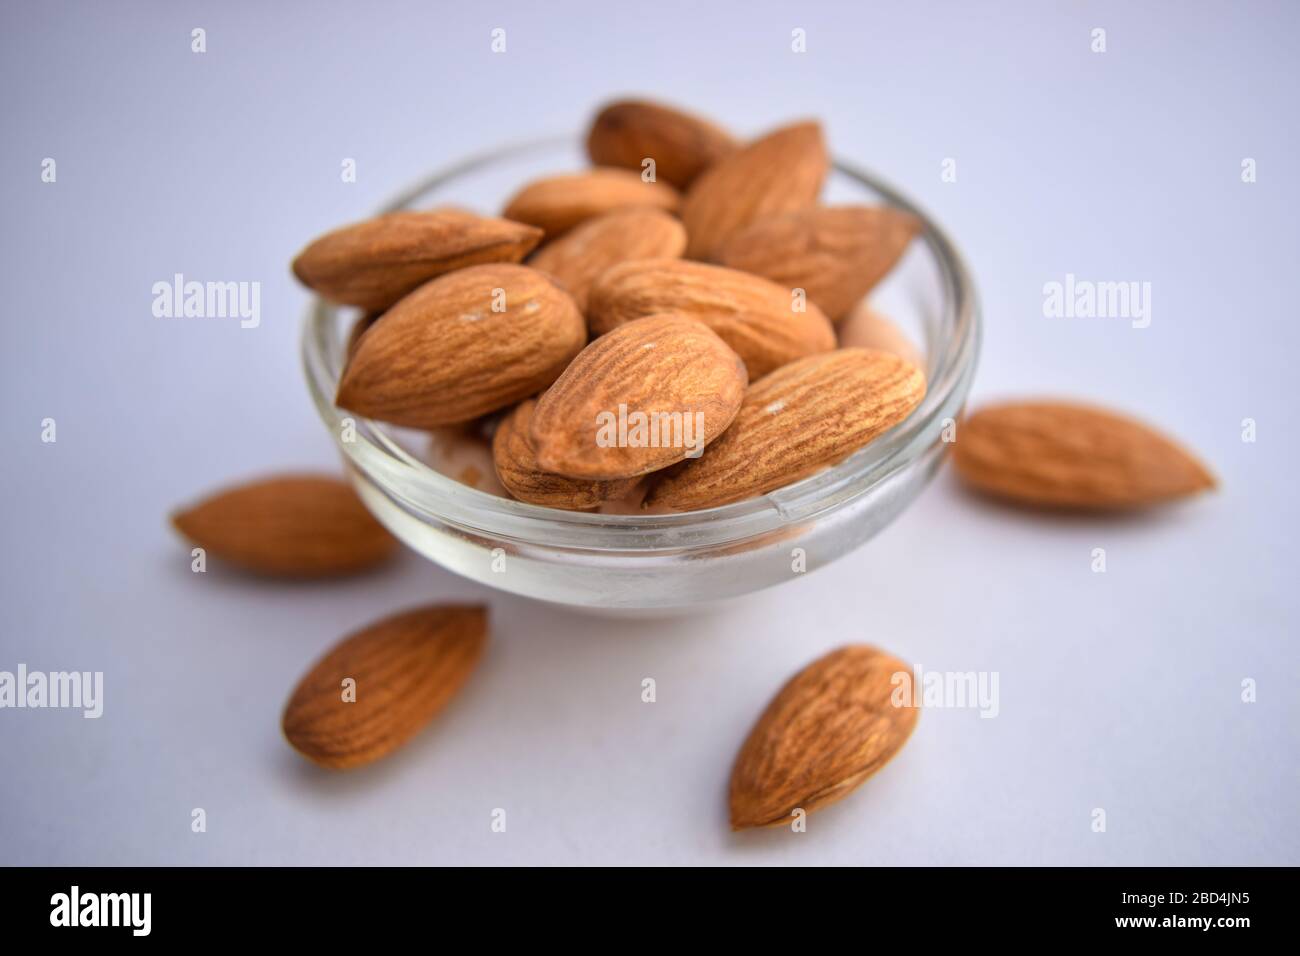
781 172
1057 454
359 328
832 726
581 255
803 417
837 254
865 328
627 132
555 204
374 263
752 315
516 466
406 667
659 364
442 356
296 526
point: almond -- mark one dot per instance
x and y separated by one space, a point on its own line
628 132
359 328
638 399
757 318
1066 455
803 417
444 354
374 263
399 672
579 256
516 466
781 172
836 254
830 728
289 526
865 328
558 203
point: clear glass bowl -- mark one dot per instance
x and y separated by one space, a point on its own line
662 562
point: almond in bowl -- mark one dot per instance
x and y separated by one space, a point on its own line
684 408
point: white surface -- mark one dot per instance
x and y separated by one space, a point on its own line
1118 690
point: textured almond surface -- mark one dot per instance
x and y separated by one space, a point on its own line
518 470
660 365
781 172
359 328
1067 455
558 203
374 263
289 526
836 254
578 257
865 328
405 668
628 132
830 728
443 355
807 415
757 318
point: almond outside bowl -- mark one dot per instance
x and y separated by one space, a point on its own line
655 564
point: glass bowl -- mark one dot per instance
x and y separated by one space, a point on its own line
657 563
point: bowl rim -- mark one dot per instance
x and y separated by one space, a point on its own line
434 497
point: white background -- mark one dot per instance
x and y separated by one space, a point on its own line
1118 690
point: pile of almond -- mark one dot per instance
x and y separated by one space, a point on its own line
688 279
659 331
